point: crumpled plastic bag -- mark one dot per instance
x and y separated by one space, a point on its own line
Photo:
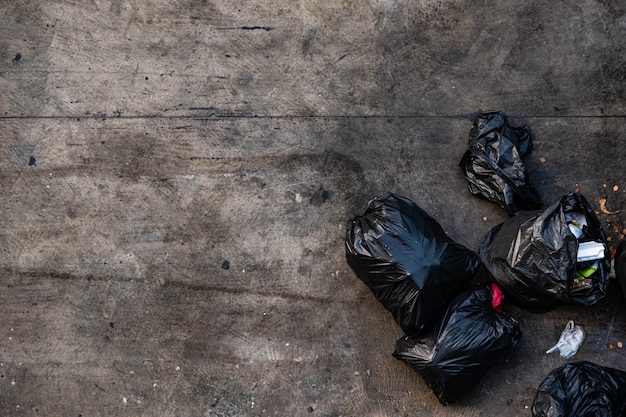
493 163
470 338
581 389
407 260
570 341
533 257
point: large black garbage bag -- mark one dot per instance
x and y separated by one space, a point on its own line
620 266
405 257
581 389
493 163
470 338
533 256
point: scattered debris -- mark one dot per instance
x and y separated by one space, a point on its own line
613 346
603 208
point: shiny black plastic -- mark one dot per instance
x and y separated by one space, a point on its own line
620 266
493 163
581 389
533 256
470 338
406 259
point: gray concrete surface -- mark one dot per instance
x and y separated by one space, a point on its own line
175 179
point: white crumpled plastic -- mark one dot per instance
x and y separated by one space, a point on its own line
570 341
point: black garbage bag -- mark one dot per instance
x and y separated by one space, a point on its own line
620 266
405 257
534 256
581 389
493 163
472 335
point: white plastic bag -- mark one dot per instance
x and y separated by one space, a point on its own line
570 341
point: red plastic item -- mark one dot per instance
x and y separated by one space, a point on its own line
497 297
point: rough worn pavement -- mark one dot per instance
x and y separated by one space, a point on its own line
176 177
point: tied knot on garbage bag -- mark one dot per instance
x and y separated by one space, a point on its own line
493 163
470 337
406 259
557 255
581 389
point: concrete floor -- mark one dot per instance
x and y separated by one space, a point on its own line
176 177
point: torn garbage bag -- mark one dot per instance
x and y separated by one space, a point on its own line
472 335
493 163
407 260
543 258
581 389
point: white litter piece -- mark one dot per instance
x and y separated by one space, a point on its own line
570 341
590 251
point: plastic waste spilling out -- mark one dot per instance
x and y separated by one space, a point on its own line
468 339
590 251
534 256
493 163
406 259
570 341
581 389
